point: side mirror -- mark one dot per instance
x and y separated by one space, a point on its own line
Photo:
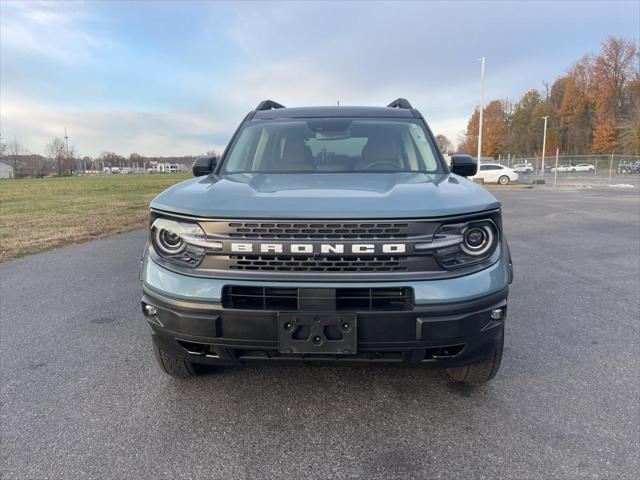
463 165
204 166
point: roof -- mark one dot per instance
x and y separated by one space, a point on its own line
315 112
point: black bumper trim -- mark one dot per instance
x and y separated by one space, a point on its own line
253 334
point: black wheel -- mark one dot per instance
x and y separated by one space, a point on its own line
481 372
503 180
174 366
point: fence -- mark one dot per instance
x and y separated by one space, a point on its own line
575 169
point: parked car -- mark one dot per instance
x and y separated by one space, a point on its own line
496 173
523 168
562 168
583 167
630 167
315 237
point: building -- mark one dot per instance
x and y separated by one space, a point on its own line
166 167
6 170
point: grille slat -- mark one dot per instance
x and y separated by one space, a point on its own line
328 263
346 230
346 299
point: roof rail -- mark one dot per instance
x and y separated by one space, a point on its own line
400 103
268 105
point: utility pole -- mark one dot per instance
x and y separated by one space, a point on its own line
481 111
610 168
555 173
66 142
544 144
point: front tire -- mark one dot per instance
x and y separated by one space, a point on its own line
504 180
172 365
480 372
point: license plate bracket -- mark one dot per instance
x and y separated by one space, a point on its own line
317 333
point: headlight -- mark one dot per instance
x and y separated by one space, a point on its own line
466 243
181 242
168 242
477 240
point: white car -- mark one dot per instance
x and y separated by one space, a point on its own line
496 173
523 168
563 168
584 167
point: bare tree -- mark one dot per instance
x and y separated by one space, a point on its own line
444 144
14 150
57 151
135 160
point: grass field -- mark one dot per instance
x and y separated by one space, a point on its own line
39 214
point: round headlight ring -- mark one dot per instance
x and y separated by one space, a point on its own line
477 240
169 242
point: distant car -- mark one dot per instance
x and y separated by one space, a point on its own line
496 173
563 168
583 167
523 168
630 167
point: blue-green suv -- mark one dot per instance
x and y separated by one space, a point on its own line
328 234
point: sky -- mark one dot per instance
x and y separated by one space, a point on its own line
176 78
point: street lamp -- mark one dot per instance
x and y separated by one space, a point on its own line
481 111
544 144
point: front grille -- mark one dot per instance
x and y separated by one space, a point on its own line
333 264
318 230
321 264
338 299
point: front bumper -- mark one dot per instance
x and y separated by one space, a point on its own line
449 325
448 334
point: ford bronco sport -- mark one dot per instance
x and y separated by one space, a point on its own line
328 233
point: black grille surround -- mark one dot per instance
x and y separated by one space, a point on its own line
320 266
320 230
329 299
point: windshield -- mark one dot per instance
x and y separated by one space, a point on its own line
331 145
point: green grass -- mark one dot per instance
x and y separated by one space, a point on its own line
40 214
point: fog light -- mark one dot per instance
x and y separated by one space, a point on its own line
497 314
150 310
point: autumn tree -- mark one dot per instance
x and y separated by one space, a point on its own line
522 139
494 130
611 70
629 128
593 108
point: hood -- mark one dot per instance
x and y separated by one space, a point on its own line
326 196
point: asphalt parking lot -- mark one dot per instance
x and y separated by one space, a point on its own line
82 397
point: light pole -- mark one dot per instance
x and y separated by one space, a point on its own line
481 111
544 144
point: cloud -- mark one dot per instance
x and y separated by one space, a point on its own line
92 131
126 77
62 32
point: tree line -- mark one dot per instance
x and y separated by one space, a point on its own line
593 109
62 159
